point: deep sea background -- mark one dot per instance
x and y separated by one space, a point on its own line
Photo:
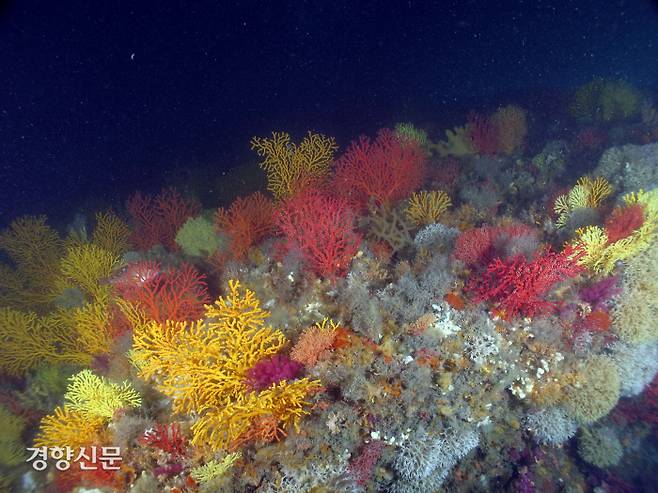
100 100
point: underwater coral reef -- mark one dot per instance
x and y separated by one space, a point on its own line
402 314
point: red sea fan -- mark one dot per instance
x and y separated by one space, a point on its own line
385 170
246 222
176 294
623 221
322 229
483 133
158 219
167 437
519 286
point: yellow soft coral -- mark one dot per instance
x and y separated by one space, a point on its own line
203 366
220 426
86 265
94 396
111 233
427 207
289 166
28 340
69 428
599 255
214 469
587 193
34 249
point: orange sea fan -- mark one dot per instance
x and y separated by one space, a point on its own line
247 221
314 342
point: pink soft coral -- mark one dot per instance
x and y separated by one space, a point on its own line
272 370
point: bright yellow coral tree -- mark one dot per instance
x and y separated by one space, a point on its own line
203 366
600 255
587 193
289 166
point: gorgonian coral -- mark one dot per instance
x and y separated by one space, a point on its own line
322 228
519 286
385 170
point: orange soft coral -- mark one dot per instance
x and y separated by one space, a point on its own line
247 221
314 342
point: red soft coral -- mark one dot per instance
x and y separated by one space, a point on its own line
483 134
246 222
623 221
167 437
158 219
164 294
519 286
322 229
385 170
478 246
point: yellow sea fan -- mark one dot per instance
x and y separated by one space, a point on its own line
458 143
218 427
86 265
28 340
69 428
94 396
314 341
290 166
35 249
427 207
214 469
587 193
205 362
597 190
237 308
111 233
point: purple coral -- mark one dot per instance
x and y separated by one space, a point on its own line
599 293
272 370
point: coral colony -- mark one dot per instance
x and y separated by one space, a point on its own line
405 314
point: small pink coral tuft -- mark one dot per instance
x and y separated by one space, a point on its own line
272 370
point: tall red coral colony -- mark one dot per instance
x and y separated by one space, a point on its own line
247 221
483 134
519 287
322 228
176 294
156 220
385 170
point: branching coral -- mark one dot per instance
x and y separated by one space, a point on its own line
93 396
385 170
158 219
29 340
85 265
176 294
35 250
519 287
587 193
246 222
511 128
322 228
427 207
214 469
203 367
111 233
290 167
313 342
600 254
69 428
